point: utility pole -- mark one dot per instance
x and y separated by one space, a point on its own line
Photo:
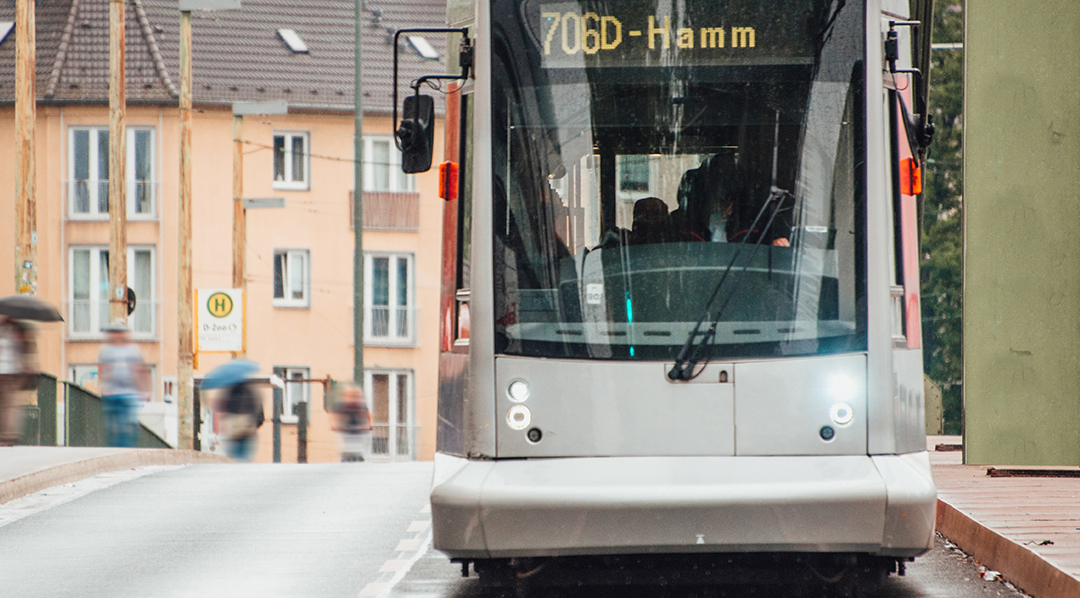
117 165
358 203
25 109
239 266
185 323
239 256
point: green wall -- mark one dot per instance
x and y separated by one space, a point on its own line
1022 232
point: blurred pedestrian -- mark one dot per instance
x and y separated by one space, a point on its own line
242 416
18 373
352 421
125 385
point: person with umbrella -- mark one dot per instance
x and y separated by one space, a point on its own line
18 373
240 406
18 358
125 384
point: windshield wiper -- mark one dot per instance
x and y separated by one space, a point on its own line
690 355
826 31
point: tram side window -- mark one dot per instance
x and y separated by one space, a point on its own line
464 221
905 186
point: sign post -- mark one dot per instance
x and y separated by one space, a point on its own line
220 321
185 367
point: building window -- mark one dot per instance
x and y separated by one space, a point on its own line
86 376
389 317
296 390
382 167
292 279
633 173
88 300
390 398
291 161
88 172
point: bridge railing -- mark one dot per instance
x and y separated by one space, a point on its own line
84 421
82 413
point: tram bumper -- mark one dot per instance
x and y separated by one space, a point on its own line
883 505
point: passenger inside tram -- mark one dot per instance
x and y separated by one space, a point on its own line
683 221
650 222
714 204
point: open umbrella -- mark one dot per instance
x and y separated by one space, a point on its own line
28 307
229 373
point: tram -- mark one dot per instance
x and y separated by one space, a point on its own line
680 313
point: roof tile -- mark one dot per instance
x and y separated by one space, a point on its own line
237 56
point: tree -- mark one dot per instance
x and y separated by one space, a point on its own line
942 244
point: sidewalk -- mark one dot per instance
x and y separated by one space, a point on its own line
28 469
1027 528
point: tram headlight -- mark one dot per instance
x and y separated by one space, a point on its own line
518 391
842 388
842 414
518 417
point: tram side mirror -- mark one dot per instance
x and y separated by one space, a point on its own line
416 134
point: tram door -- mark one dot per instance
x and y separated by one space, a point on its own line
390 398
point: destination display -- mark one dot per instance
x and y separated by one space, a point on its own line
642 34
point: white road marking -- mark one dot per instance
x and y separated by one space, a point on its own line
19 508
393 565
372 589
419 546
424 544
418 526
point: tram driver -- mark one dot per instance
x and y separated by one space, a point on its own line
716 203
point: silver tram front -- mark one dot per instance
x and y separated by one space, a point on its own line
684 261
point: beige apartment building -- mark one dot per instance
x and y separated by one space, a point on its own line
299 258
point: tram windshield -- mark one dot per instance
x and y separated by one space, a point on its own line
666 165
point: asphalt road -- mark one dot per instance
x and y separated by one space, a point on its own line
357 530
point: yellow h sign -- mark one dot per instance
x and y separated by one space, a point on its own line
219 305
219 320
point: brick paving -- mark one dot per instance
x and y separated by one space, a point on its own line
1026 527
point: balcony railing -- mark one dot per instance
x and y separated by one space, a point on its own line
85 193
87 317
388 324
396 442
89 198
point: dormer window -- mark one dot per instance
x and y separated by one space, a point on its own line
5 29
293 41
423 47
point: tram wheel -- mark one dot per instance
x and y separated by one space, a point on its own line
525 573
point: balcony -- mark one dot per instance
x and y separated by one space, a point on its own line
86 318
88 199
387 325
